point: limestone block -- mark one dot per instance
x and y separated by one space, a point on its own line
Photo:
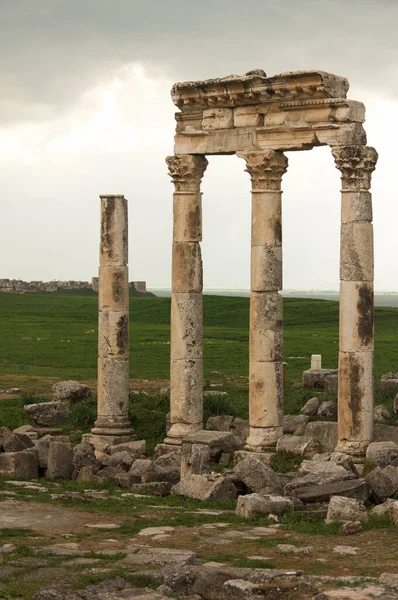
218 141
325 432
351 488
218 118
346 509
219 442
316 362
136 449
113 381
266 326
247 116
393 512
208 488
113 288
265 394
382 453
258 476
187 274
355 407
4 433
261 505
384 482
356 206
356 252
84 456
328 408
293 423
48 413
19 465
17 442
60 461
266 268
310 408
187 217
313 473
70 391
285 137
266 229
219 423
114 244
317 378
186 326
240 428
195 459
381 413
263 439
186 392
113 334
298 445
331 384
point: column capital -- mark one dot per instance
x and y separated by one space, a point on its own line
265 168
356 164
186 171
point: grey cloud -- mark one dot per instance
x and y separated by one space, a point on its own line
52 50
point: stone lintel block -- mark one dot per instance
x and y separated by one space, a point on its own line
113 389
266 227
266 326
218 118
114 231
356 252
248 116
187 272
113 288
186 326
284 137
265 394
355 406
187 217
356 316
186 392
263 439
218 141
356 206
266 268
113 333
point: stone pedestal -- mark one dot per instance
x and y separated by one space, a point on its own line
355 407
186 345
113 323
266 311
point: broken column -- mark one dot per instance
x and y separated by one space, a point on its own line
266 312
186 344
355 387
113 323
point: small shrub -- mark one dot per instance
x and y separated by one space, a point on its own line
84 413
284 462
27 398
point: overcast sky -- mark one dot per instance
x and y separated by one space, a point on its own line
85 109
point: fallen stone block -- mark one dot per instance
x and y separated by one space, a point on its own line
71 391
331 384
381 413
20 465
346 509
310 408
382 453
136 449
315 378
297 445
317 473
258 476
294 424
328 408
4 433
28 430
208 488
382 509
60 461
256 504
84 456
219 442
325 433
351 488
143 555
241 429
48 413
17 442
219 423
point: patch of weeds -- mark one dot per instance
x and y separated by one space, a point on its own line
284 462
28 398
368 466
22 551
106 557
379 522
19 532
250 563
84 413
21 588
216 405
309 524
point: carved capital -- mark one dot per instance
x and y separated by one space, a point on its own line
265 169
356 164
186 171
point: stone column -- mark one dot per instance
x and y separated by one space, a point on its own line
355 405
186 345
266 312
113 322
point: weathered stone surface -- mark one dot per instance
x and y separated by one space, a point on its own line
382 453
393 512
218 442
4 433
19 465
346 509
382 509
310 408
389 383
71 391
352 488
28 430
122 459
297 445
48 413
195 459
316 378
383 482
209 488
256 504
317 473
328 409
294 424
258 476
331 384
140 467
60 461
17 442
381 413
84 456
325 432
240 428
350 527
219 423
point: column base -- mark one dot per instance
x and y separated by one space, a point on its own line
352 448
263 439
178 431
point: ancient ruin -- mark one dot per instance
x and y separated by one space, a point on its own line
258 118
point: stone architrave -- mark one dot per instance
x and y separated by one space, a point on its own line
266 319
355 387
113 322
186 346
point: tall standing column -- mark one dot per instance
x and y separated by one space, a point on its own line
355 404
266 313
186 345
113 321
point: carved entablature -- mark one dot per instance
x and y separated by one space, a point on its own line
291 111
356 164
186 171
